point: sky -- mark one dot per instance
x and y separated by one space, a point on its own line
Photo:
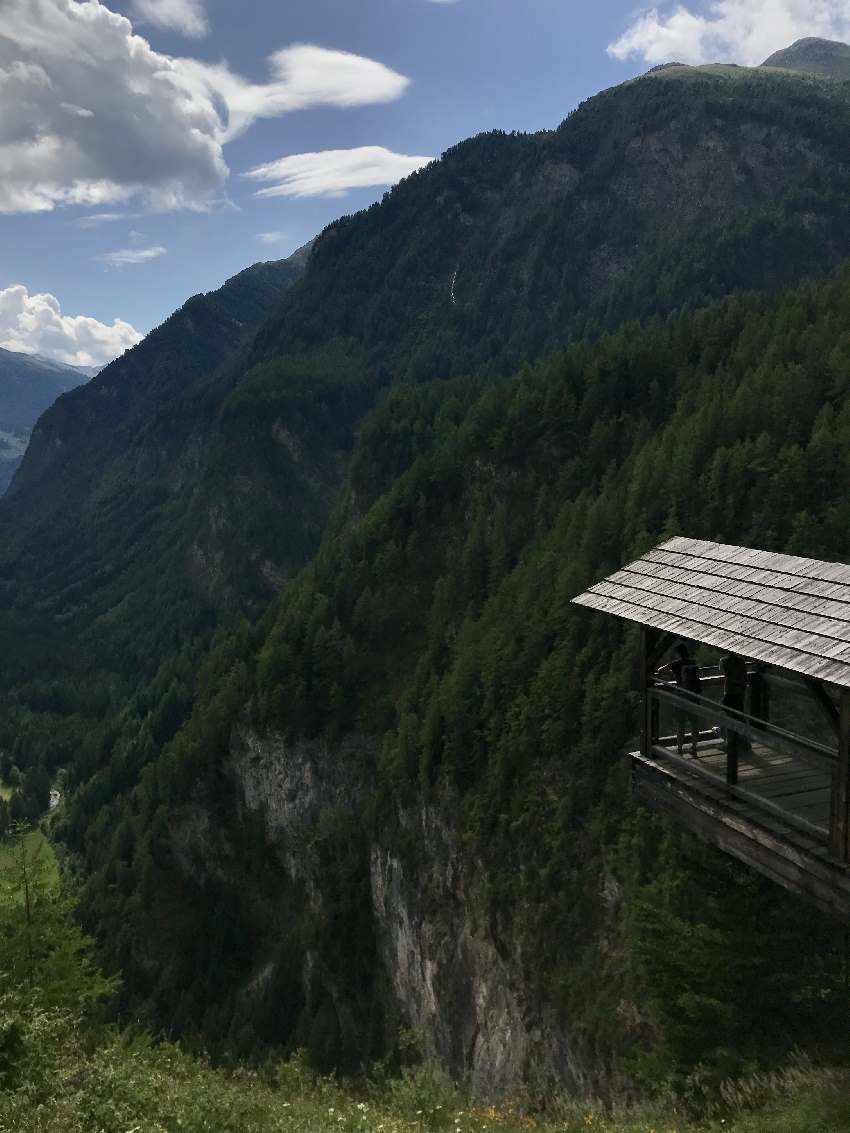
150 149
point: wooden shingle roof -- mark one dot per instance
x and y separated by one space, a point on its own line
790 612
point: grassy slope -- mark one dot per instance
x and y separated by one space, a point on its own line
131 1086
38 850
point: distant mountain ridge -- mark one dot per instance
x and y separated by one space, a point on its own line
827 59
29 385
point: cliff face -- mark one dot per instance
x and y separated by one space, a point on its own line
454 979
445 969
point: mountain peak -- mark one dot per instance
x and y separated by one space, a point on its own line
825 58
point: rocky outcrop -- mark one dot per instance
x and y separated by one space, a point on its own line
450 978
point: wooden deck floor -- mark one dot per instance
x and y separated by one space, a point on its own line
797 788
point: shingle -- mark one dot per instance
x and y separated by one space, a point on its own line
787 611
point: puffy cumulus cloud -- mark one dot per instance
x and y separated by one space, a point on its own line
186 16
745 31
91 115
331 173
34 324
126 257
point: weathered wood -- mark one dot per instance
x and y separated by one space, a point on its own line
747 794
840 810
824 700
771 864
784 611
648 641
778 738
732 742
766 844
776 800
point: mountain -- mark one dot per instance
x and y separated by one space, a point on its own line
661 193
401 801
287 596
104 507
29 384
824 58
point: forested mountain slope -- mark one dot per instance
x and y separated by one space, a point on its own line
399 799
100 512
649 197
29 384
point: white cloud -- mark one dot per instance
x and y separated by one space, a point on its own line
91 115
303 76
125 257
95 219
34 324
270 237
743 31
186 16
331 173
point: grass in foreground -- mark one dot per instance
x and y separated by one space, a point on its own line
62 1083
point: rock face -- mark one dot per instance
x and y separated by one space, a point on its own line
828 59
450 979
444 968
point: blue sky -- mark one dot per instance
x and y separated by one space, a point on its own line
123 192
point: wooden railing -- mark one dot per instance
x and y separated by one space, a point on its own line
741 726
832 704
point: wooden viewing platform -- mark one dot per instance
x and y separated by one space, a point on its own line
766 779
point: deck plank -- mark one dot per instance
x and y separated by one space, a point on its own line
780 779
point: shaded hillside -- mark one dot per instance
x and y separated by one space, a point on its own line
824 58
99 514
29 384
401 800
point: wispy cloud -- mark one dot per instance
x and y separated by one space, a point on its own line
186 16
92 115
270 237
95 219
127 257
35 324
744 31
331 173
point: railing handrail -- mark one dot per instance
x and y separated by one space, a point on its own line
734 719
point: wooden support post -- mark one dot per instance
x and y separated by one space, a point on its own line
840 803
824 700
732 748
649 707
